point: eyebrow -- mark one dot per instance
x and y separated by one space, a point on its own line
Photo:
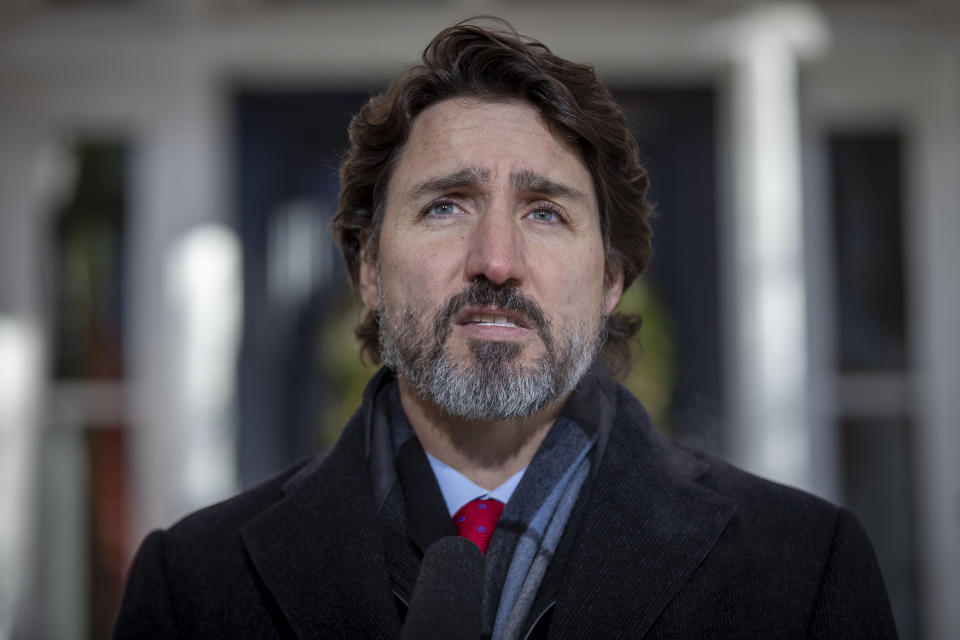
529 181
524 180
471 177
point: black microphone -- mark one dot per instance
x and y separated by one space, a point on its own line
446 598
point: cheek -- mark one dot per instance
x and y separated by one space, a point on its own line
578 287
417 278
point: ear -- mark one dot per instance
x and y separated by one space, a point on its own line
613 288
369 281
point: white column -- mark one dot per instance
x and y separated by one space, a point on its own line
204 288
179 189
22 359
20 388
767 312
933 231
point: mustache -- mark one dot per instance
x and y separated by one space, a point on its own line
506 296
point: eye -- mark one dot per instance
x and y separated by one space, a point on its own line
545 214
442 209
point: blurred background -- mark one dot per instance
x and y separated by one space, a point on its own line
175 324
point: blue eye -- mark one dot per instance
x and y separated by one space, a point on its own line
443 209
545 215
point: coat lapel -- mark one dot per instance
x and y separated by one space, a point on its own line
646 527
317 551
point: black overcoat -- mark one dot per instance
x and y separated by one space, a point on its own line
664 543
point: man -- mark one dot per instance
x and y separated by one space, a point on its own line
496 482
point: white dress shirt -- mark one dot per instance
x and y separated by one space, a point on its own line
458 489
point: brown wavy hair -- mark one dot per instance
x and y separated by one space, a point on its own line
486 58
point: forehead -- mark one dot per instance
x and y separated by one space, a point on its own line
499 138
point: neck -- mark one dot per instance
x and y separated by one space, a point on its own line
486 452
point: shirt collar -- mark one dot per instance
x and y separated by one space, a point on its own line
458 490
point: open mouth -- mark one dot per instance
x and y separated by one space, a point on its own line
489 317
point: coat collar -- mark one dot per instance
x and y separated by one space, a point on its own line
317 549
646 525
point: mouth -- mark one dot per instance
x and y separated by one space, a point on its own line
491 317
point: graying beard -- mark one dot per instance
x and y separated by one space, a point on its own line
495 386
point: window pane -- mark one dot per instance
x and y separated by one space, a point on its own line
867 195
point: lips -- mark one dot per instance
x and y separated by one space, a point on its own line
486 311
492 317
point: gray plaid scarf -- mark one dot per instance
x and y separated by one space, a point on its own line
529 529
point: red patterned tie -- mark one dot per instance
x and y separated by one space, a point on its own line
476 520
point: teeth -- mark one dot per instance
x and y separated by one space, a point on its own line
492 321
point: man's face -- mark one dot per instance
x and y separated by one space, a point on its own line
490 283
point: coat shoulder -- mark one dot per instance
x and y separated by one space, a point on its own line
195 573
757 500
225 518
782 550
784 545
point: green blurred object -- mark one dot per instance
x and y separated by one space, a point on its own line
90 231
651 378
653 374
339 355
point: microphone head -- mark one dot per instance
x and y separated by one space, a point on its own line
449 590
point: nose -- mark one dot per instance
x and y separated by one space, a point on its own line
495 250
